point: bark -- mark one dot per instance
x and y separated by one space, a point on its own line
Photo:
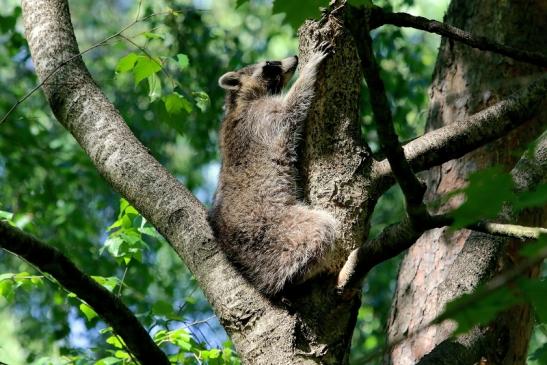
441 266
312 324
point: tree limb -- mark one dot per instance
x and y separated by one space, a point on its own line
122 160
457 139
49 260
412 188
527 174
379 17
261 329
399 237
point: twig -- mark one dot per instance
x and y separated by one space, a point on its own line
380 17
398 237
64 63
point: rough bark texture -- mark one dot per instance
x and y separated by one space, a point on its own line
441 266
311 325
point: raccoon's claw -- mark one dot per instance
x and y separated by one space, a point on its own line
326 47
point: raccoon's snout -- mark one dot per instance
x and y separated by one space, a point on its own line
289 64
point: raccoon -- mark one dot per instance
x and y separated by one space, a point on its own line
272 236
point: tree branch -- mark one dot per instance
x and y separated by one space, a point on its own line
122 160
527 174
458 138
412 188
379 17
399 237
127 165
49 260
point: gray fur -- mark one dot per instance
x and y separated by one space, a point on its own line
262 226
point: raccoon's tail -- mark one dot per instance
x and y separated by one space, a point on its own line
292 248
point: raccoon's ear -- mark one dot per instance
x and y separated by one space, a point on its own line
229 81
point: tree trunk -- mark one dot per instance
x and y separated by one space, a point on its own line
311 324
443 265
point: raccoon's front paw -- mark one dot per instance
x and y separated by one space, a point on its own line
320 52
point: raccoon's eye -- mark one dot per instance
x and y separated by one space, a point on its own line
271 68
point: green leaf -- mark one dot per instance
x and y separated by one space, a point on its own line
88 312
6 289
298 11
151 35
154 88
175 103
109 283
121 354
535 198
202 100
479 307
183 61
214 353
126 63
145 67
108 361
115 341
485 194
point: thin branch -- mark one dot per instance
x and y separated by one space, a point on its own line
398 237
379 16
527 174
49 260
412 188
77 56
461 137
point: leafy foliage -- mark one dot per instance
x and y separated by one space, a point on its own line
166 89
487 192
483 305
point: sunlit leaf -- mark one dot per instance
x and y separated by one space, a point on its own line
154 88
145 67
176 103
126 63
88 312
183 61
151 35
108 361
202 100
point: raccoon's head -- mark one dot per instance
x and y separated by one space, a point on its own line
255 81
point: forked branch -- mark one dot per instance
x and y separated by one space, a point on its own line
461 137
527 174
